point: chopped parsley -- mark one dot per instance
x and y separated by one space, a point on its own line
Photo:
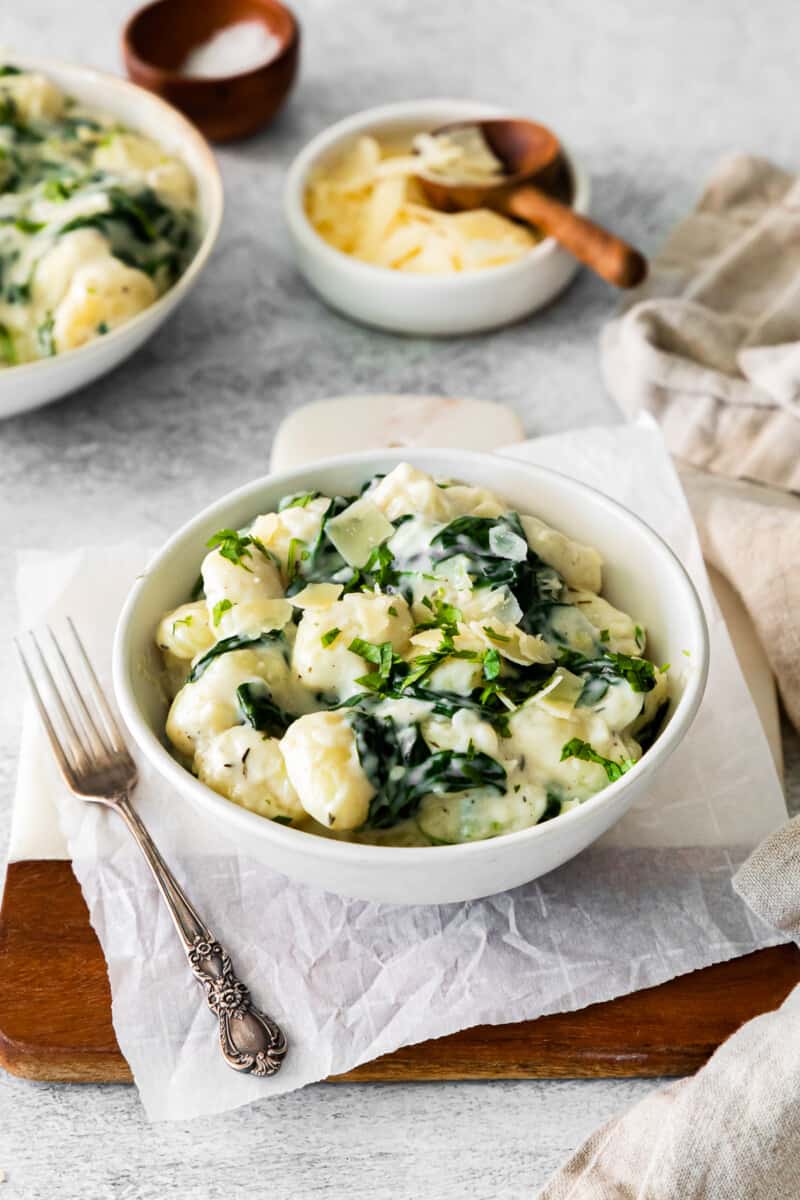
491 664
300 501
298 552
232 545
494 635
382 656
328 638
577 748
217 612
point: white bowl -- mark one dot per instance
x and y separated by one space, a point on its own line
641 575
32 384
430 305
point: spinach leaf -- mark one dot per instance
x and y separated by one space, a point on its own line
18 293
134 222
260 710
607 669
535 586
225 645
649 732
552 807
401 767
321 562
475 539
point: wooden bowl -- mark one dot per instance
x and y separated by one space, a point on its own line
158 37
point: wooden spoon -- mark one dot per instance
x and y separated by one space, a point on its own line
531 153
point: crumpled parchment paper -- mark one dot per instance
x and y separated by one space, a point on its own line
349 980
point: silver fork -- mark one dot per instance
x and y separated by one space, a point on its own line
96 765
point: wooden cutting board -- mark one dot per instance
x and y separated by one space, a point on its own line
55 1008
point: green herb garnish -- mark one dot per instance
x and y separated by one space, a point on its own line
382 656
299 501
491 664
232 545
494 635
221 607
577 748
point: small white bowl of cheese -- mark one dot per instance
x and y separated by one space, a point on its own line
417 272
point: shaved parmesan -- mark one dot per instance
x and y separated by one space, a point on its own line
358 530
506 544
369 203
561 694
317 595
461 154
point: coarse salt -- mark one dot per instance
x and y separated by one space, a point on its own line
232 50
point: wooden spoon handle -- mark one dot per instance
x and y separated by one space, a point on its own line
606 254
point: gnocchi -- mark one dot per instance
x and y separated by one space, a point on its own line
435 668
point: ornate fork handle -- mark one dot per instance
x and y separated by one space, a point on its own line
250 1040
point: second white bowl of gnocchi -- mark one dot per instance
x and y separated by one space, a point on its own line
413 682
110 204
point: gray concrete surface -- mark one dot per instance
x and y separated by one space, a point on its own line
648 97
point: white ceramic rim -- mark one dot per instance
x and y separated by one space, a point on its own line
179 289
374 118
225 811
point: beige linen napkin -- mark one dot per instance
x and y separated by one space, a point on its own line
732 1131
710 345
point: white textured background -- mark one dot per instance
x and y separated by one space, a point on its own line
648 96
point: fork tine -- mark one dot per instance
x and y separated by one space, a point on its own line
88 722
109 720
67 768
78 750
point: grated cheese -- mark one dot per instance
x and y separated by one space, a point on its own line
370 205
